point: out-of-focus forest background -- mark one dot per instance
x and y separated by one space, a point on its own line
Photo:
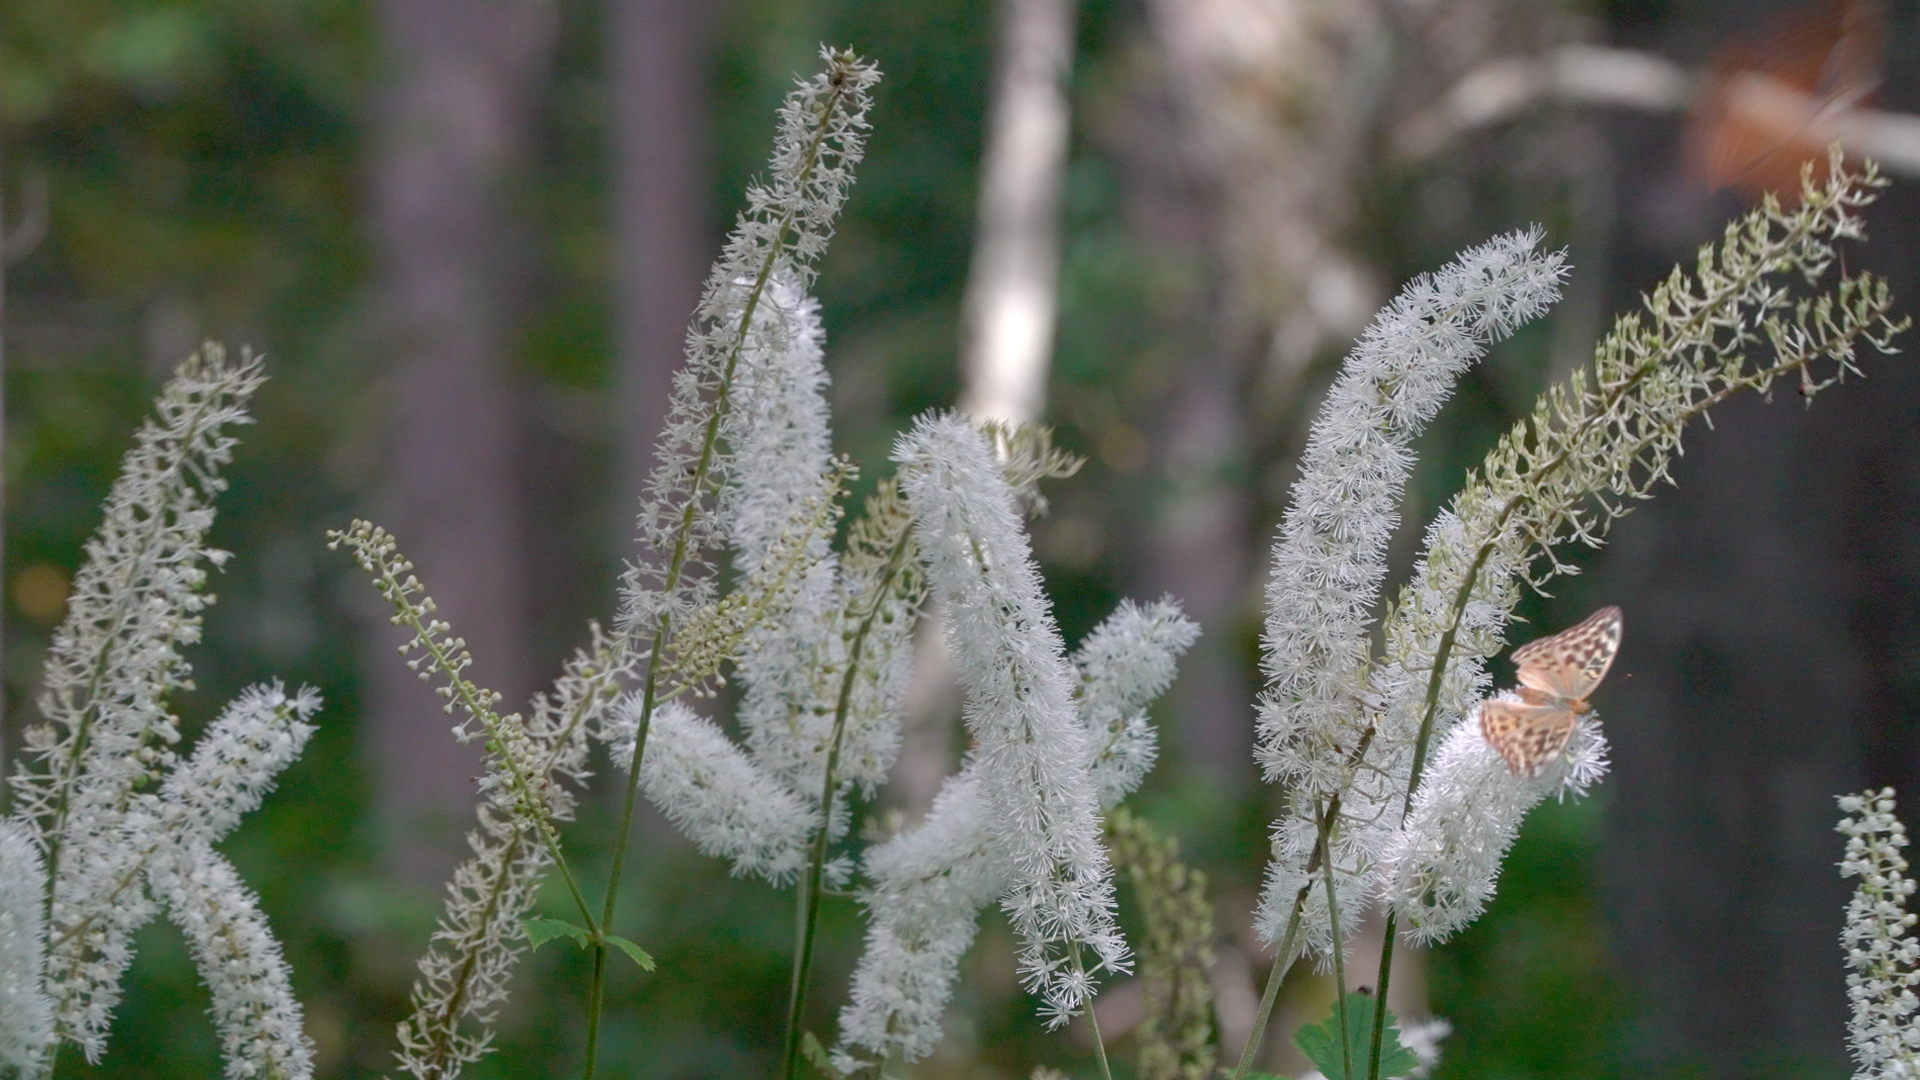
468 234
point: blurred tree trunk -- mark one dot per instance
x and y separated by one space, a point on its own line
1773 646
1012 299
1007 319
1772 652
452 130
659 66
659 60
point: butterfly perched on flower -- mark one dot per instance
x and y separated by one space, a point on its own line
1556 674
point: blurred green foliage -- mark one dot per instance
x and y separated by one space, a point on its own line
206 161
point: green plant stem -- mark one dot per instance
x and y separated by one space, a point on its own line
809 892
1283 960
1380 1002
595 988
1339 955
597 980
806 921
1099 1044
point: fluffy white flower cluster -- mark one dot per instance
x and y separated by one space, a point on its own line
716 794
929 884
746 458
841 630
1438 869
1883 960
1029 747
1347 732
780 235
116 824
1317 717
229 774
26 1015
847 631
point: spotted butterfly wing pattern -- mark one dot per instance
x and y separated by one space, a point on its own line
1571 663
1556 674
1529 737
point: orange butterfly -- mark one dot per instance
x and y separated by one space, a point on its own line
1556 675
1773 97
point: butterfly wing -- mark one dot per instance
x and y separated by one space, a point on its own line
1569 664
1529 737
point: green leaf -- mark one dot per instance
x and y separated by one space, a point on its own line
1321 1043
811 1049
541 930
634 952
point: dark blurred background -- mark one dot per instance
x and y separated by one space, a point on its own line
468 233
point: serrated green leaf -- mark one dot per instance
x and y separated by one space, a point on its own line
634 952
1321 1043
811 1049
541 930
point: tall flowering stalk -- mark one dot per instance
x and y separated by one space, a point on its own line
1028 745
135 603
118 824
745 458
1355 737
1607 438
773 249
785 228
529 764
742 458
1331 557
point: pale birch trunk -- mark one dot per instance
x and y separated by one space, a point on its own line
1007 316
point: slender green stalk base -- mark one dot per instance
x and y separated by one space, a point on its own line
594 991
1282 961
1340 965
596 988
1380 1003
676 563
808 915
1099 1044
807 919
